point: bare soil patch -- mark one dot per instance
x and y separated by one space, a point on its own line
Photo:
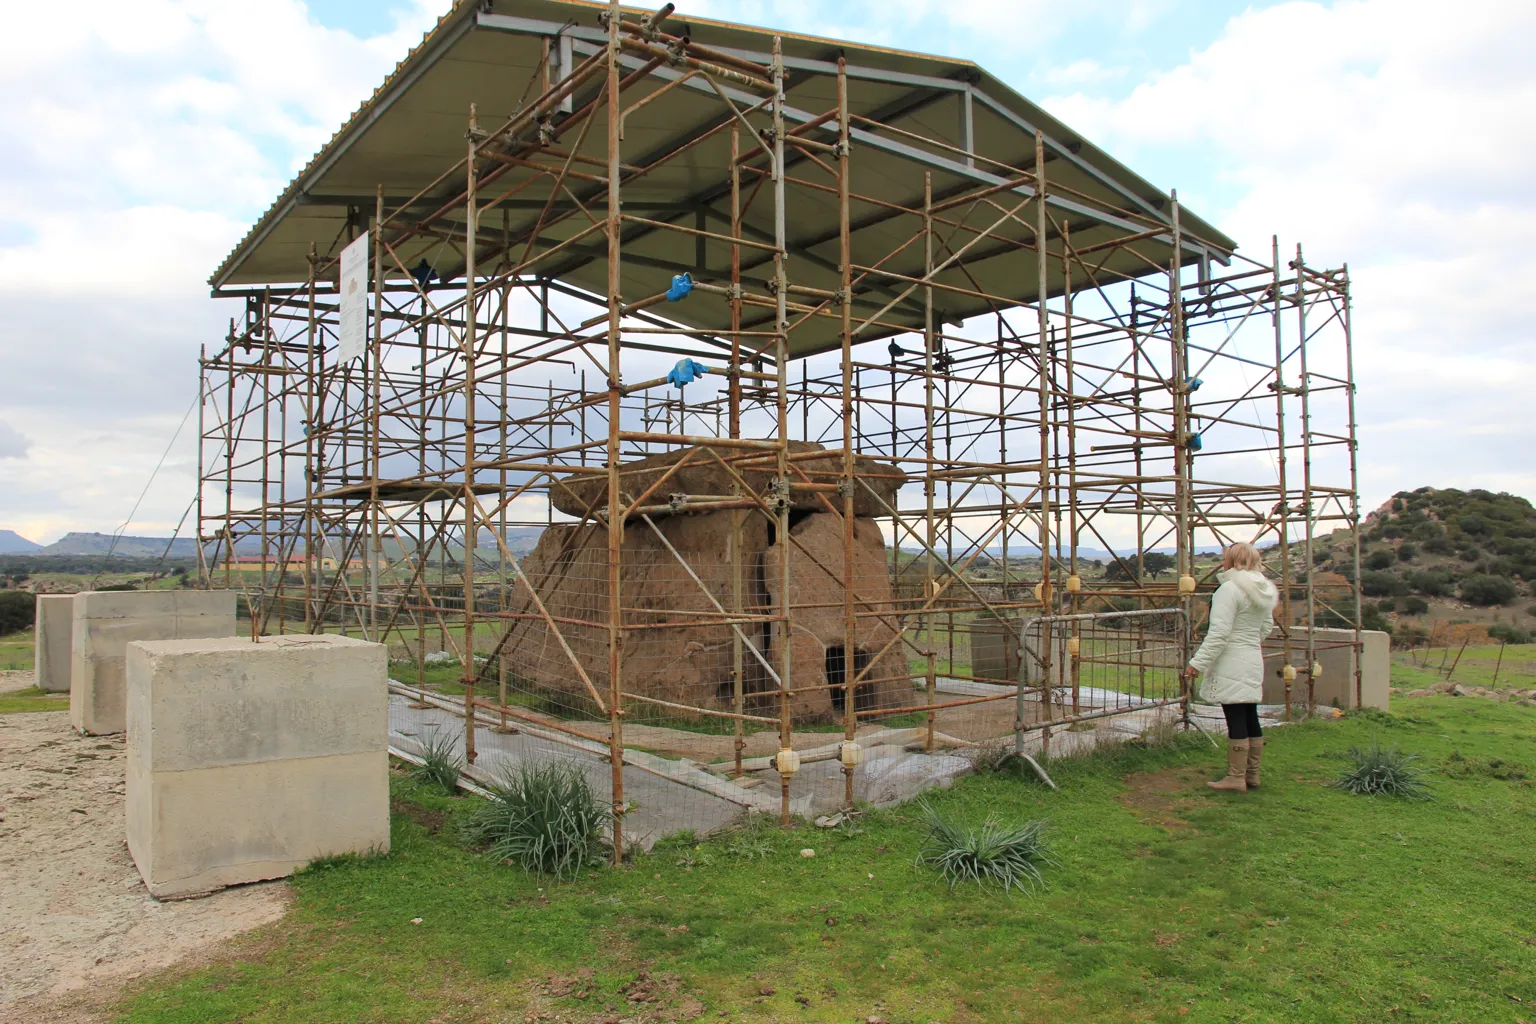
75 919
432 821
1159 797
12 680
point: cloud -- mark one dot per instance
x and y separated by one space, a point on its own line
1384 134
13 443
141 141
1081 72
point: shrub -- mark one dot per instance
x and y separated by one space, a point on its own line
1484 589
1474 525
1008 856
441 766
1386 604
1429 582
1497 567
1379 560
1508 633
1375 771
1380 584
1428 531
1406 552
544 818
1369 619
18 609
1412 605
1439 546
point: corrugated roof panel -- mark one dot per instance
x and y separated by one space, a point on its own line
412 130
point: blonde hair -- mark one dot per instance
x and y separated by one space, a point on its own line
1243 556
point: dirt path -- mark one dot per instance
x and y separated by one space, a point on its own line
75 919
12 680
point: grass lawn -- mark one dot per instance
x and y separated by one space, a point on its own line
1475 666
32 699
1294 903
17 651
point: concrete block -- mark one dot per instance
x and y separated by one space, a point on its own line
1336 655
997 654
105 623
247 760
55 622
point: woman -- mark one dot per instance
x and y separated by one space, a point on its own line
1242 615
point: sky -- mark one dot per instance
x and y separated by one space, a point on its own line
142 140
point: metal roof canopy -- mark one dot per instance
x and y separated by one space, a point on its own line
413 128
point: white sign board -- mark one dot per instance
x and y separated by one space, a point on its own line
354 300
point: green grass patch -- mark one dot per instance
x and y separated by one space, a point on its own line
18 652
1297 902
32 699
1475 666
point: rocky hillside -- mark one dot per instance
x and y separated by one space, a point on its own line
1437 555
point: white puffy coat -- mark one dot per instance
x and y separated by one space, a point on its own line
1230 661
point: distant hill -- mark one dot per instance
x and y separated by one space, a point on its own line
12 543
127 547
520 541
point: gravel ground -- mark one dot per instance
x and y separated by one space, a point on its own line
75 919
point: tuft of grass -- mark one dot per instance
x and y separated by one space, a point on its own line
695 857
1007 856
441 765
996 757
1383 771
748 841
1459 766
1163 732
544 818
1375 716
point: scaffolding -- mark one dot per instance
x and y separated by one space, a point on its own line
953 392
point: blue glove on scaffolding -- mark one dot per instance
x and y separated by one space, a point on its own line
682 284
686 372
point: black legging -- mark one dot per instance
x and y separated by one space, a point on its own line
1242 721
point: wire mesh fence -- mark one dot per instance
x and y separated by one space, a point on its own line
737 693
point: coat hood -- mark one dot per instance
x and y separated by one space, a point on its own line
1255 587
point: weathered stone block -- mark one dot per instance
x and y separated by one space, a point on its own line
819 665
703 475
105 623
683 654
247 760
55 621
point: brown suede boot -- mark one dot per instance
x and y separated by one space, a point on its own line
1237 768
1255 755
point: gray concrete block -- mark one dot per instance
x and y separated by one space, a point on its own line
105 623
55 622
1335 685
247 760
